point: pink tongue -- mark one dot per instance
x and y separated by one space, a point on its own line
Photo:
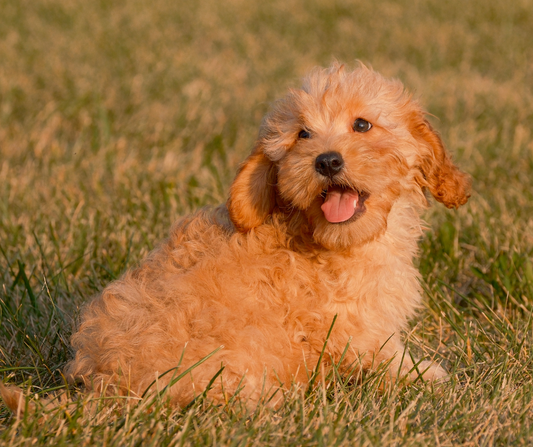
339 205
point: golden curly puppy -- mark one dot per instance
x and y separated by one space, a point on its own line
322 221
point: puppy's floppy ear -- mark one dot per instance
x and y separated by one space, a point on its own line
444 180
253 192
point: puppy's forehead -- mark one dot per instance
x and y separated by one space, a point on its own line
337 98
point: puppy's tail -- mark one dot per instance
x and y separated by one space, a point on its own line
14 399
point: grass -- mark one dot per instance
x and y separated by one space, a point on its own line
116 117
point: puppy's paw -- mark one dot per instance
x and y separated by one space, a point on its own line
432 372
13 397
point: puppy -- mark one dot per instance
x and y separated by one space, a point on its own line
318 236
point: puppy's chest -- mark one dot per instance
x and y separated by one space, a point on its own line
313 282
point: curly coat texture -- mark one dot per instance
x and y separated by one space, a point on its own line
265 275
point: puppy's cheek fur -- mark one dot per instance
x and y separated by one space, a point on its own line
298 183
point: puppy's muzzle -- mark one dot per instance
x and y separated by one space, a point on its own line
329 164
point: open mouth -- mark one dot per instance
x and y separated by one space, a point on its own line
343 205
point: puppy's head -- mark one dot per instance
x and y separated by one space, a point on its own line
342 149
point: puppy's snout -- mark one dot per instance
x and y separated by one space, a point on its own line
329 164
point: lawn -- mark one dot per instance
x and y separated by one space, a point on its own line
117 117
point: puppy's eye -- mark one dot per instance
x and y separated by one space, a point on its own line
361 126
304 134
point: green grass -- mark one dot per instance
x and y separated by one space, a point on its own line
116 117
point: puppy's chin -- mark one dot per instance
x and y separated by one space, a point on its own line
364 226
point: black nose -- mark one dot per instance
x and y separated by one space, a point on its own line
329 164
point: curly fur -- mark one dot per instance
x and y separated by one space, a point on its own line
265 275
